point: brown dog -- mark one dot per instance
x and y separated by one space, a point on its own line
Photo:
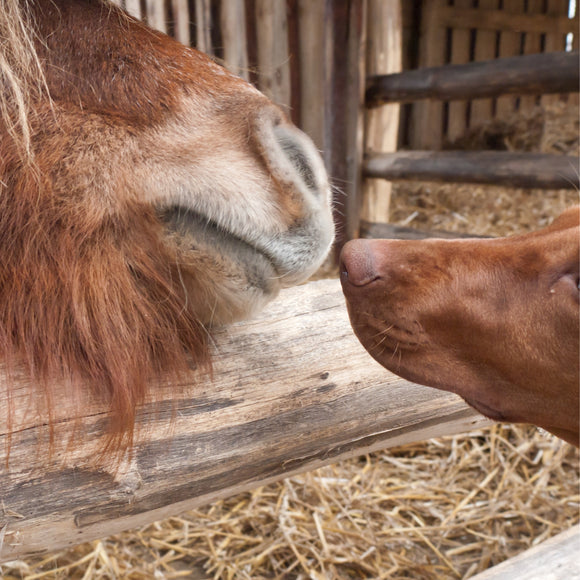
495 321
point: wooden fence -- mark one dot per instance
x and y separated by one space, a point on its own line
280 402
439 32
313 58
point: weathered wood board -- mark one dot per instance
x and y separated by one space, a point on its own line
506 168
292 390
555 559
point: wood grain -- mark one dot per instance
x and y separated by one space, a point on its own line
536 74
384 56
554 559
507 168
292 390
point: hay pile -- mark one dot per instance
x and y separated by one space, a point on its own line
440 509
493 210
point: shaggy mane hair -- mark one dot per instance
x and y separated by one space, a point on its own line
81 301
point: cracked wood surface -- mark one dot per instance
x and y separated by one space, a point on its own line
291 390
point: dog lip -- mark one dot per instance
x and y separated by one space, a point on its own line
357 266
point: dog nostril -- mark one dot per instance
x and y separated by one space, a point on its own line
357 265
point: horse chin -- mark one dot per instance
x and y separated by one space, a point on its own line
225 276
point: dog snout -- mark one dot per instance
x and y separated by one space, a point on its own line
357 263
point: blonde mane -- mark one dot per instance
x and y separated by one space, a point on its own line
21 75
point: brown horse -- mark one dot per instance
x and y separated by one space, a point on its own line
146 194
495 321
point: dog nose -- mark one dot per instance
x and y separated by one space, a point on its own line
357 265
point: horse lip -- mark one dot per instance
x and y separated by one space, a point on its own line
187 223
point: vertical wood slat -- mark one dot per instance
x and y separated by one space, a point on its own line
233 25
532 44
460 49
133 7
344 84
311 58
273 57
156 15
383 56
509 45
554 42
574 98
181 19
427 118
294 40
203 22
485 42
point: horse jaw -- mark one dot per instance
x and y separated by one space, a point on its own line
254 208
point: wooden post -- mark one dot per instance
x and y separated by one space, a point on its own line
233 23
203 26
554 41
273 57
384 56
485 44
427 118
292 390
532 45
509 45
181 20
344 84
133 7
460 51
311 58
156 14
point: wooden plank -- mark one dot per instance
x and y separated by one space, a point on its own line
554 42
460 54
203 23
311 57
292 390
181 21
344 83
427 117
526 170
294 39
537 74
509 45
233 25
133 7
394 232
573 100
155 13
411 25
384 56
485 46
532 45
498 20
273 57
554 559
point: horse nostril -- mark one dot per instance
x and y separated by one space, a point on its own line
298 157
304 158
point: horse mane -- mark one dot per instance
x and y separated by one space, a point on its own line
82 303
21 75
